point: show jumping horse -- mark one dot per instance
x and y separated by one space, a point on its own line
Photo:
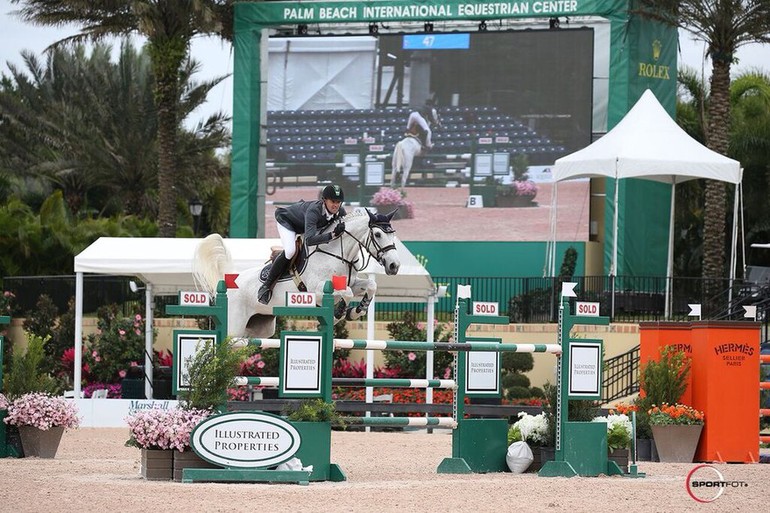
403 157
366 236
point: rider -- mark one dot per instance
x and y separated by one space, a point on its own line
420 122
310 218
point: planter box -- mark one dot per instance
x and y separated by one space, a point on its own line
188 459
620 456
646 450
514 201
677 443
39 442
157 464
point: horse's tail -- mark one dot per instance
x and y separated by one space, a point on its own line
211 262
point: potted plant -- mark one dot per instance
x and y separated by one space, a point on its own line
41 419
521 192
533 430
676 429
387 199
661 381
618 437
211 371
159 433
313 419
518 193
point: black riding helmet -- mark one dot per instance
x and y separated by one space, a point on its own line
333 192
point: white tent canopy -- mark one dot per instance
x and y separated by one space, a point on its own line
165 266
648 144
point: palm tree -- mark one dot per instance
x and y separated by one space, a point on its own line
749 143
88 127
169 26
725 25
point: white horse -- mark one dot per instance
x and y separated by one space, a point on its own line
366 236
403 157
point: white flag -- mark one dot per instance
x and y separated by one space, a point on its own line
463 292
751 312
568 289
694 310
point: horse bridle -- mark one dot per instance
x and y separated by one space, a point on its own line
380 250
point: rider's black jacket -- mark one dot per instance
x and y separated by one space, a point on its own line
308 217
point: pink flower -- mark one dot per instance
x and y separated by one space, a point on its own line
138 331
122 332
260 364
412 357
94 354
447 373
138 317
122 373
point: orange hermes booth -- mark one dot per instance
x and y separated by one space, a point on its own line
724 381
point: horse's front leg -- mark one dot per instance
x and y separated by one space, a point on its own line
366 290
341 300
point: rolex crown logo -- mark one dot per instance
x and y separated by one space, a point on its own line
656 46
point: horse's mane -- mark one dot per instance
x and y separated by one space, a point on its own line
355 214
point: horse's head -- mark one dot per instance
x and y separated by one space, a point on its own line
381 243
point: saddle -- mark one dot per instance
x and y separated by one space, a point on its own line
296 266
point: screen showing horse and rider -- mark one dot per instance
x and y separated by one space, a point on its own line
425 121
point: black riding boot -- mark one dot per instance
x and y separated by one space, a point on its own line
279 266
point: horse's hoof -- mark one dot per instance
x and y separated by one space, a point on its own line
264 295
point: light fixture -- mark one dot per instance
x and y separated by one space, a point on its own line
302 29
483 26
373 29
196 209
134 287
428 27
553 23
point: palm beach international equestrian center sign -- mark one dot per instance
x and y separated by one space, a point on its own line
340 12
462 10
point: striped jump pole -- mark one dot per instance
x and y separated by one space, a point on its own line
264 343
400 345
393 382
437 422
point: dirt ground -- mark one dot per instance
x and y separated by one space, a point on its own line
441 215
94 471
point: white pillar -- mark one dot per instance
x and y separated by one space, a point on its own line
148 341
78 342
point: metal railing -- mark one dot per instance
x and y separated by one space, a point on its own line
621 375
630 299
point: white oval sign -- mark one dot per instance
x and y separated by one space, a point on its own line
245 439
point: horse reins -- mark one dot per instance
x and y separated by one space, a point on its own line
361 245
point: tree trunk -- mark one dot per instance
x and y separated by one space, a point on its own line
166 67
715 233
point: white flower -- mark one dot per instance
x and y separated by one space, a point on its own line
533 428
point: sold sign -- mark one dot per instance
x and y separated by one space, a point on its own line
194 298
480 308
587 309
300 299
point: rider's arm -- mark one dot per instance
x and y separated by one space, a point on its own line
315 222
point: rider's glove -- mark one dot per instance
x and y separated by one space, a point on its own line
339 229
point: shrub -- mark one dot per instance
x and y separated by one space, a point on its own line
210 372
163 429
119 342
411 364
26 373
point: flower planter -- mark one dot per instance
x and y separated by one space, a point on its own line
619 456
157 464
676 443
514 201
537 460
40 443
188 459
646 450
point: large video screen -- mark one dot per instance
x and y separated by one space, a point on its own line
508 104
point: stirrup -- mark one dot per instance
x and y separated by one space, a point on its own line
264 296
